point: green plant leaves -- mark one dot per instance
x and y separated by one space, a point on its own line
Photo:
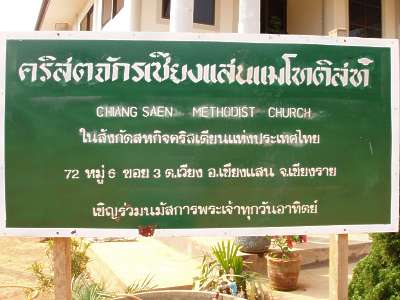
141 285
226 256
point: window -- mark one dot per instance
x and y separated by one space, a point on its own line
273 16
117 6
110 9
365 18
87 21
203 11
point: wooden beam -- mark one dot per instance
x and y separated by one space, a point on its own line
62 268
339 244
338 267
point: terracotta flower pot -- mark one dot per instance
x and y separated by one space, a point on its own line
283 274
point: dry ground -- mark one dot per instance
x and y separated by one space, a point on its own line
16 255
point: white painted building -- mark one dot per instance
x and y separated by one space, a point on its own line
366 18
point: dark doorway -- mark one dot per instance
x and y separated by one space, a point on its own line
365 18
273 16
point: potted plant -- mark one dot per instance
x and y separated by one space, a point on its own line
222 272
284 263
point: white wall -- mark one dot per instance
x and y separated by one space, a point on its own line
120 23
151 16
336 15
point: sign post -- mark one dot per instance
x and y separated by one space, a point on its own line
339 247
62 268
338 267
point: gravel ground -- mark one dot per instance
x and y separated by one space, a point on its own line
16 256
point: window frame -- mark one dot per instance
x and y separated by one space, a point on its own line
114 10
89 20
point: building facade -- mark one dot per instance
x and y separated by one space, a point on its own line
363 18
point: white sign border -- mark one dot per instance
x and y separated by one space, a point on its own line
393 44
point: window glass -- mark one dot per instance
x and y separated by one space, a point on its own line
106 12
356 13
375 2
273 16
373 19
166 7
365 18
374 33
203 11
90 19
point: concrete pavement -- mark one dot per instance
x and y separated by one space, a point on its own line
313 285
173 262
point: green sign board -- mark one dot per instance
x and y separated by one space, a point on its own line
198 134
